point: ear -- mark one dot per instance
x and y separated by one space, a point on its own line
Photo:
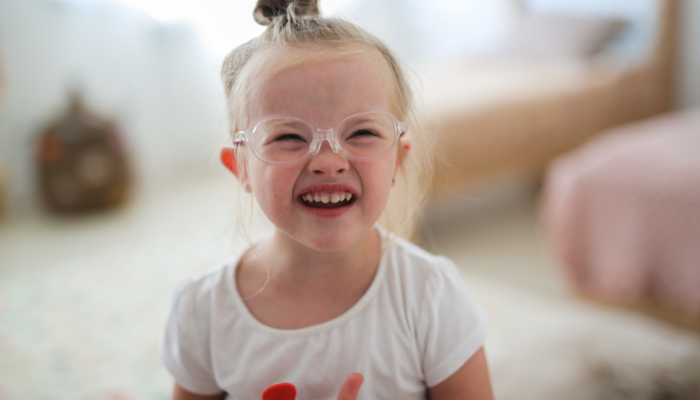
228 158
405 144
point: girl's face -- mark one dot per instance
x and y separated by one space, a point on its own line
323 93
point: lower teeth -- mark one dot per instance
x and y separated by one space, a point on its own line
318 204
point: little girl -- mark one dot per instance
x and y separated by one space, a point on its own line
330 301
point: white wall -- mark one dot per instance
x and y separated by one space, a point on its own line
689 54
156 80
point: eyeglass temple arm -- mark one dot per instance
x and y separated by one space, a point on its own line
239 137
402 128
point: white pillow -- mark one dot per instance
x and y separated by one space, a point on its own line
638 40
560 36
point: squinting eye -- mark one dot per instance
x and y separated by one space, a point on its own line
288 136
363 132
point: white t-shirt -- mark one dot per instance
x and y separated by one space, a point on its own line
414 327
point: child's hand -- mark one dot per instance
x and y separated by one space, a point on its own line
287 391
351 387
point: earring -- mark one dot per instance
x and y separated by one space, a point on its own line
246 187
393 180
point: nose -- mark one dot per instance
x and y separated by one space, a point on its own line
328 162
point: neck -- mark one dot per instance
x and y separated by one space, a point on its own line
292 262
305 287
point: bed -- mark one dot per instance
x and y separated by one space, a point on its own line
505 115
622 214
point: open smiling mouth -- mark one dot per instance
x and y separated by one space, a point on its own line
327 200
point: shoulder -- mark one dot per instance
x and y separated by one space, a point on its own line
185 346
431 284
412 261
423 280
194 296
448 324
208 282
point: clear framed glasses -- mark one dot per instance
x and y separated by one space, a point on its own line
286 140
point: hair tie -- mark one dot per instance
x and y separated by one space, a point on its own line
266 10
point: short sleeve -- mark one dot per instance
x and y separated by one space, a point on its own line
452 327
184 348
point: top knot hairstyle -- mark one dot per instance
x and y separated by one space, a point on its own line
297 24
266 10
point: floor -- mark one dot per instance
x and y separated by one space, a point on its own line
494 231
83 298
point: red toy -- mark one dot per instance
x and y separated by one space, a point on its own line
280 391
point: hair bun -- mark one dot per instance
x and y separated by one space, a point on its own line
266 10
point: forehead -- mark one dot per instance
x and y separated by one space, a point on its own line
319 85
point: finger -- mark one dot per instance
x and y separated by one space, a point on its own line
351 387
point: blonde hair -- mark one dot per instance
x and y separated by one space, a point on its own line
299 27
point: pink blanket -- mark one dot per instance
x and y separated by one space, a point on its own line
623 212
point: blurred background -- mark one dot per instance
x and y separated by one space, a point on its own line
567 187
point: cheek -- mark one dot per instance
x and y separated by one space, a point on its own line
377 177
271 183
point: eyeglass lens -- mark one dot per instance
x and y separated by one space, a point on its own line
287 139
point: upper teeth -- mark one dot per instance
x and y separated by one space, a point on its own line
327 197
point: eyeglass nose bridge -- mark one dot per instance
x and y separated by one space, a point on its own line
325 134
